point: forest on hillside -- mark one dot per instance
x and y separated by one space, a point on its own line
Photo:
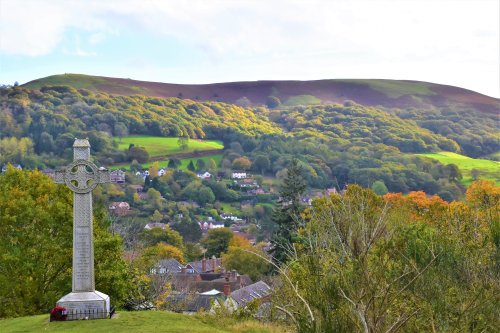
337 144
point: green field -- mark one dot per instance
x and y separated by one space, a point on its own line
395 88
488 169
302 100
160 146
137 322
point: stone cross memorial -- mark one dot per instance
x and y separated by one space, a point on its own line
82 176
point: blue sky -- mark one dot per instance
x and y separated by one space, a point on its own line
450 41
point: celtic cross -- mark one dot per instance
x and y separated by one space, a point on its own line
82 176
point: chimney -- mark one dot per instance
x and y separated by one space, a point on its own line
214 263
183 270
203 265
233 275
238 281
227 287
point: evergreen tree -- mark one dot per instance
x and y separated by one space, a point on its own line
285 216
191 166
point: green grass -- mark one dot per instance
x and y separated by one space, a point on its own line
302 100
137 322
396 88
229 209
160 146
488 169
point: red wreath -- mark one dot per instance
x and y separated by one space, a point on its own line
58 313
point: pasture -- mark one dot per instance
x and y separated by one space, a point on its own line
487 169
161 146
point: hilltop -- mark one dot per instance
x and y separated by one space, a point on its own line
370 92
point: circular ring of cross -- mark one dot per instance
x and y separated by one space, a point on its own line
82 176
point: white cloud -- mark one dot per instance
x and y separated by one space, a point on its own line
414 39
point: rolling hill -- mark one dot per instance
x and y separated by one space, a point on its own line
370 92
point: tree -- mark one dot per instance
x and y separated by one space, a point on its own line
120 130
193 252
242 258
243 101
286 215
156 235
189 230
261 164
205 195
153 169
156 217
217 241
241 163
36 230
155 198
191 166
151 255
174 163
135 166
453 172
379 187
183 142
200 165
386 265
212 166
273 102
138 153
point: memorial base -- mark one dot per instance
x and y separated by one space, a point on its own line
85 305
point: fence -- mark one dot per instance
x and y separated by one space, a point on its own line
82 314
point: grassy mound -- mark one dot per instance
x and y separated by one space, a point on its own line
137 322
488 169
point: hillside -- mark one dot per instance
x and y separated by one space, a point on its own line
141 321
371 92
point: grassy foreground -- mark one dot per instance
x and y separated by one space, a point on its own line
489 170
137 322
160 146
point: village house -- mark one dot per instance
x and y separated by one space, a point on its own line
240 298
119 208
17 166
117 176
239 175
204 175
230 217
207 225
256 191
152 225
161 172
167 266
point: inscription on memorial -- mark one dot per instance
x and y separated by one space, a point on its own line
83 260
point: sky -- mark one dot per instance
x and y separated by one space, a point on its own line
442 41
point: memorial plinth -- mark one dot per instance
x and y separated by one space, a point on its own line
82 176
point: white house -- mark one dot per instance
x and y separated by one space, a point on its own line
229 217
239 174
205 175
161 172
